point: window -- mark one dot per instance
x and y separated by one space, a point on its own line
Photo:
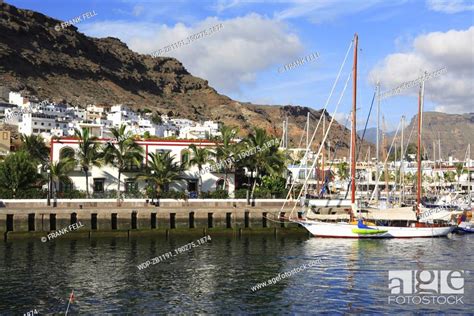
131 185
220 184
36 123
301 174
66 152
65 186
5 135
35 130
99 185
42 123
192 186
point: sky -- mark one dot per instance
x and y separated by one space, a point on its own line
245 58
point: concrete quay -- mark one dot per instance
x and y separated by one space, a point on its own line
33 218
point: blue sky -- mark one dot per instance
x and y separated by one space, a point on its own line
398 39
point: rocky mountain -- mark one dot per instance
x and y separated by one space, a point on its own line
69 66
455 131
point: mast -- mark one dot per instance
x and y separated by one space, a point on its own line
385 158
354 133
469 174
370 173
377 146
420 124
307 154
322 155
439 150
402 154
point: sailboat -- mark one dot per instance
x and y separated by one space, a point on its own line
361 229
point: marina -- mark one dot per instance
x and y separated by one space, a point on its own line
308 158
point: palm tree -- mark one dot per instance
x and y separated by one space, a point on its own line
88 154
60 170
124 153
459 172
264 160
36 147
200 157
161 170
225 150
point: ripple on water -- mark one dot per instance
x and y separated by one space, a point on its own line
217 277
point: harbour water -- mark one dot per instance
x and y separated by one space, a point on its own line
217 276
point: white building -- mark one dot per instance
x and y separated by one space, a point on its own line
37 123
121 114
95 112
106 177
17 99
200 131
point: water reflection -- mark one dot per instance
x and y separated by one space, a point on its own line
216 277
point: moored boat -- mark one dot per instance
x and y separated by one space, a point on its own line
412 229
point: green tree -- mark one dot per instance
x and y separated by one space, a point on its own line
18 172
225 150
88 154
343 170
276 184
200 157
459 171
266 158
123 153
449 176
156 119
36 147
60 171
161 171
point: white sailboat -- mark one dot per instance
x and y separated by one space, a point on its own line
361 229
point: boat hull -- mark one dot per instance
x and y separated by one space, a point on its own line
345 230
465 228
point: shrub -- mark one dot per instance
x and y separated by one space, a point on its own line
218 194
240 194
32 193
262 193
72 194
135 194
173 195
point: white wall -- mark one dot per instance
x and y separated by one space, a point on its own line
110 173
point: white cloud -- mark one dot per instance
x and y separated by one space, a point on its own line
450 6
452 92
137 10
322 10
315 11
227 58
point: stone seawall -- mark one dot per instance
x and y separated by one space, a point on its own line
138 216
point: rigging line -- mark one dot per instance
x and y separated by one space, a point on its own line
336 147
320 118
324 139
386 158
362 140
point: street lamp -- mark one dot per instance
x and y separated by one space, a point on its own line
49 187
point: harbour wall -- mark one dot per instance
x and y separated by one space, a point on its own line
131 217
